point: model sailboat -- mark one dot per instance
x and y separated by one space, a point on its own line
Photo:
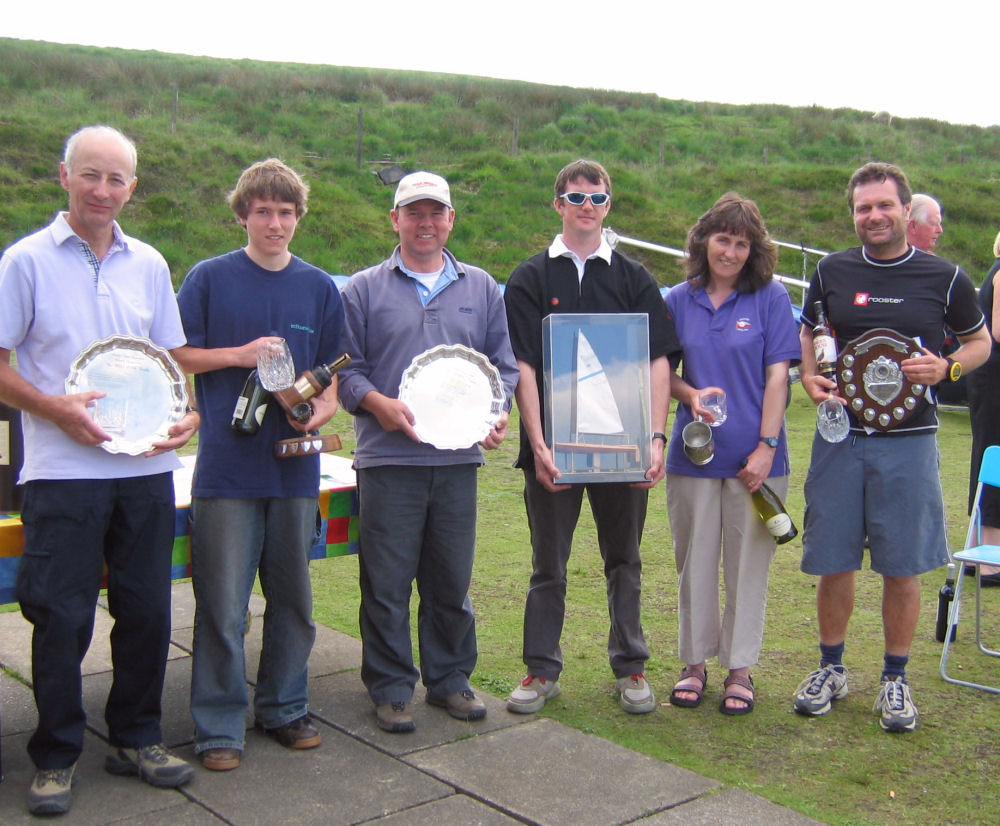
597 423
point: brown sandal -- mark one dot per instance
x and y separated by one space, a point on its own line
686 674
745 682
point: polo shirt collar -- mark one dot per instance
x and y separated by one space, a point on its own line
62 232
558 248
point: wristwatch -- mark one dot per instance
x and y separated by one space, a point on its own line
954 370
659 436
770 441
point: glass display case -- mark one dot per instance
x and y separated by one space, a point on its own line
597 395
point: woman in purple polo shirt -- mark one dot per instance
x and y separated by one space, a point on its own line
736 327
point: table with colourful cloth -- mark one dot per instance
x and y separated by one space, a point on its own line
338 506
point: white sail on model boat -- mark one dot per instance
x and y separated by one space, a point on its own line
596 410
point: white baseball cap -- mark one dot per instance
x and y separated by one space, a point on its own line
418 186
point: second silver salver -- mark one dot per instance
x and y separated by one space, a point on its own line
455 394
145 391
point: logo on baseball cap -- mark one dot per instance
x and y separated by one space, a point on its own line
418 186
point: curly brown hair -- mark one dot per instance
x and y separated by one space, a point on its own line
736 215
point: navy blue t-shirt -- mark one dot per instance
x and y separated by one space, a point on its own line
228 301
917 294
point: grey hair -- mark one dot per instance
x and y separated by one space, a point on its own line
919 205
74 140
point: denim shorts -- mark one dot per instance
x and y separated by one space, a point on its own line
884 487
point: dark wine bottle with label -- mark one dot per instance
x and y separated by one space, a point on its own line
824 344
945 597
295 399
251 405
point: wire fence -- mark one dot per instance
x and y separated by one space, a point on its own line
801 283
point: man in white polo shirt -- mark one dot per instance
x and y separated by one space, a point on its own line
76 281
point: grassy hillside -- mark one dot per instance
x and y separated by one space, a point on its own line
198 122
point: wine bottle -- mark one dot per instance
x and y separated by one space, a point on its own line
771 509
251 405
945 597
295 399
11 459
824 344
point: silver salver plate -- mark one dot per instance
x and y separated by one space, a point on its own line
455 395
146 391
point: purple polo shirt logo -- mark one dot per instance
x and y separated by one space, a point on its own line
743 324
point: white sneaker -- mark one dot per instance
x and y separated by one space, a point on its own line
816 693
636 695
896 706
531 694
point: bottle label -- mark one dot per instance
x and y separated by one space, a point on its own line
779 525
4 443
258 414
241 407
826 349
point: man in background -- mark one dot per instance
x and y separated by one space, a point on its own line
79 280
924 226
417 502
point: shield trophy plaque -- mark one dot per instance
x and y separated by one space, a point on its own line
870 376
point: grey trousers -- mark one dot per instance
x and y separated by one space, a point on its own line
416 523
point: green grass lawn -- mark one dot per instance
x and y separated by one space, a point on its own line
841 768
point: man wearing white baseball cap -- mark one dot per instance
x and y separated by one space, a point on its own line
417 502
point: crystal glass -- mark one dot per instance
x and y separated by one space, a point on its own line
831 420
275 367
715 403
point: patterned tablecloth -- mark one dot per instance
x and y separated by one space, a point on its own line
338 529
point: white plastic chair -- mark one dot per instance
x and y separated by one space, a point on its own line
977 554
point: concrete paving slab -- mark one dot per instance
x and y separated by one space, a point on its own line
17 706
341 782
98 797
729 806
183 814
536 772
342 701
457 809
176 722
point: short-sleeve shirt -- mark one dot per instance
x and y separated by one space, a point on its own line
917 295
227 301
52 306
731 347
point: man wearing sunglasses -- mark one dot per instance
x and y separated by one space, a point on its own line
580 273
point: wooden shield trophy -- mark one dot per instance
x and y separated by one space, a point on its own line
870 376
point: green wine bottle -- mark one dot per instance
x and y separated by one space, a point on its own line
771 509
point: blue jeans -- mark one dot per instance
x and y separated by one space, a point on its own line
417 523
70 526
231 540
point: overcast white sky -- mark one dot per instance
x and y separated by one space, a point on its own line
919 59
